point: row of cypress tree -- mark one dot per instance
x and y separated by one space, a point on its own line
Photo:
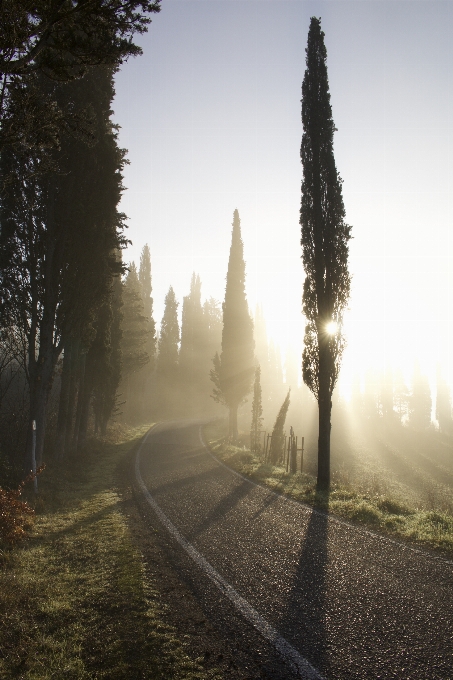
60 237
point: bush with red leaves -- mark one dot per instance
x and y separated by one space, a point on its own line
15 515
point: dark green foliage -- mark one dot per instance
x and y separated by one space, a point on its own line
146 289
325 237
135 326
60 230
257 412
107 365
58 41
278 434
233 370
168 357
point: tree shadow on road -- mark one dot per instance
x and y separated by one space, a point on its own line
303 620
223 507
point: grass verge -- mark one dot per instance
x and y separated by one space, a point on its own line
74 600
382 512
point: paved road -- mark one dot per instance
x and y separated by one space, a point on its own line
353 604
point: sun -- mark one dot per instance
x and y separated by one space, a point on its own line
332 327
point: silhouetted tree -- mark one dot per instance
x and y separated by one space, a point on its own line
257 412
144 277
191 335
107 369
233 370
58 42
134 340
324 240
278 435
59 228
168 356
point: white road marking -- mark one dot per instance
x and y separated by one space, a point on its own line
287 651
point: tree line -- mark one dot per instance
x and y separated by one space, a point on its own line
61 232
78 339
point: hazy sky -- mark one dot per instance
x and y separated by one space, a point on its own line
211 117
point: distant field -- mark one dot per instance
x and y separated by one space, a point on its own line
387 478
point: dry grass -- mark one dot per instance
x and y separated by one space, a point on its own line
365 498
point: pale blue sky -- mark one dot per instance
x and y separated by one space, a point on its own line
210 115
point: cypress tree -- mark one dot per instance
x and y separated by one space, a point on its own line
144 276
325 237
135 329
134 343
233 370
278 435
257 412
191 330
167 359
59 227
107 373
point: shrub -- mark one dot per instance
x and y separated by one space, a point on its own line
15 515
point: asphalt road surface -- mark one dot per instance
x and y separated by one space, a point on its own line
334 601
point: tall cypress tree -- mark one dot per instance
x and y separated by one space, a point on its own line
168 357
191 330
193 341
257 412
325 237
278 435
144 276
135 328
59 227
233 370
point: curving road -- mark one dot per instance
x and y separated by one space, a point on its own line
337 602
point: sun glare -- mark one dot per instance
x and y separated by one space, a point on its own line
332 327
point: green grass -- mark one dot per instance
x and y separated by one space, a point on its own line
74 599
365 502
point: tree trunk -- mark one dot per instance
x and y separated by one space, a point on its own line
63 405
41 372
325 411
38 404
85 404
80 396
233 423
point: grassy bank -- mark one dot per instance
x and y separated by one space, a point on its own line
74 600
359 504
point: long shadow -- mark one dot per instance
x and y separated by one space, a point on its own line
73 528
303 619
270 499
222 508
180 483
